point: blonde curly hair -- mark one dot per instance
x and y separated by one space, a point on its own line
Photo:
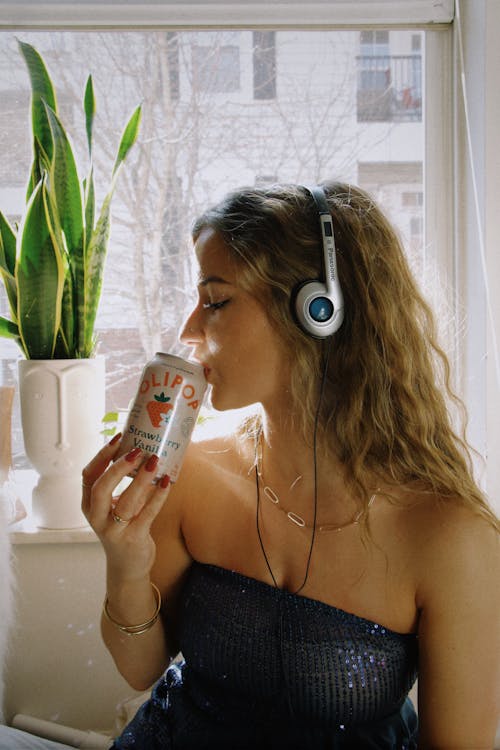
385 407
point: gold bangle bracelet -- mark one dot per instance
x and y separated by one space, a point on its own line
136 629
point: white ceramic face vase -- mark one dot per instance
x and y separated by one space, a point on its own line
62 405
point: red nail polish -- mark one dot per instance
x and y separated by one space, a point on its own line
151 463
115 438
164 481
132 455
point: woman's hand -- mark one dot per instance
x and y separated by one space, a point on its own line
123 522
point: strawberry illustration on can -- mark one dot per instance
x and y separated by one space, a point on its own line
158 408
164 412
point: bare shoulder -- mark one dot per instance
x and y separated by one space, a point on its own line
448 523
456 549
437 546
429 525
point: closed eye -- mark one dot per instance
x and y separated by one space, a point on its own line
215 305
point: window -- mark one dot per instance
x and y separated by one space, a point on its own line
389 85
220 109
374 43
416 228
216 69
172 57
374 74
412 199
264 64
416 42
398 186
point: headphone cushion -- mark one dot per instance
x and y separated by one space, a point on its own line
316 310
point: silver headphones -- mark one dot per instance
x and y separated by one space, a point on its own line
319 306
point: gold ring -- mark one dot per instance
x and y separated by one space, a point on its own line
86 486
118 519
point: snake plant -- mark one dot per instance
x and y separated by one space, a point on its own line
52 264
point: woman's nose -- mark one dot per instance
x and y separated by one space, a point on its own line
191 332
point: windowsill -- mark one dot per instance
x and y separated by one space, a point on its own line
25 531
35 535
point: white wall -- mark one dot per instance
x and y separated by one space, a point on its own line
57 667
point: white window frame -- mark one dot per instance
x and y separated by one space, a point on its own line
476 225
222 13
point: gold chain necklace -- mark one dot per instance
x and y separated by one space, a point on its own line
293 517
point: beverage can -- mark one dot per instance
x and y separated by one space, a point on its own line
164 412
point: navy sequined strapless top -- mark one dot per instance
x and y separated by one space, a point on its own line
264 668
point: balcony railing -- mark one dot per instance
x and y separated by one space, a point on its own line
389 88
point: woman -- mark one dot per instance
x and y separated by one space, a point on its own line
307 565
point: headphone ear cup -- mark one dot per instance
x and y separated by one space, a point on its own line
318 312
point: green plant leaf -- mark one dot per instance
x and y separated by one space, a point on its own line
40 278
66 341
89 198
11 289
67 345
8 262
40 164
8 252
42 90
97 243
129 137
9 330
110 416
109 419
89 109
95 258
65 185
54 286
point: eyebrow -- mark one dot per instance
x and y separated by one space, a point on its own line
212 280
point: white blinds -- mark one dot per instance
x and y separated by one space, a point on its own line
222 13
